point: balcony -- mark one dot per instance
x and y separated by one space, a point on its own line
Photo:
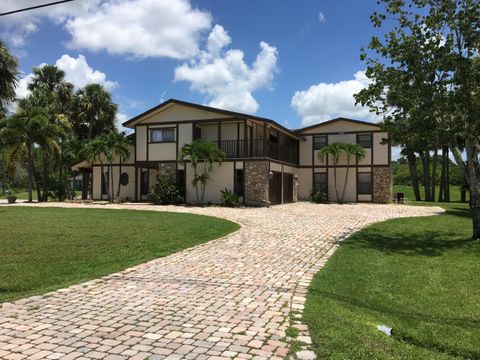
257 148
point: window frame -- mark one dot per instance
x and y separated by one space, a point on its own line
152 130
370 183
314 143
370 138
316 186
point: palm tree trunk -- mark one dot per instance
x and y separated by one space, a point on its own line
45 175
196 184
111 192
346 179
335 180
119 176
434 175
30 173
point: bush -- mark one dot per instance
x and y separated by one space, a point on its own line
229 199
319 195
165 193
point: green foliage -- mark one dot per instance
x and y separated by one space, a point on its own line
35 258
8 77
417 275
165 193
319 196
229 198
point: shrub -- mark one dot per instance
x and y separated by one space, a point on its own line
165 193
319 195
229 199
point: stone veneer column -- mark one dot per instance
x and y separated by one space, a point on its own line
256 183
382 185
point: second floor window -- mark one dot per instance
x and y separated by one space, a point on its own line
319 142
365 140
162 135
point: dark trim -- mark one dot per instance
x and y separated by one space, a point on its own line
146 144
211 109
341 166
343 132
337 120
136 183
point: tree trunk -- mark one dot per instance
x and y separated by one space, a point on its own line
434 175
425 156
346 180
447 175
37 181
45 175
30 173
85 180
412 166
335 180
474 183
463 194
119 178
442 188
111 192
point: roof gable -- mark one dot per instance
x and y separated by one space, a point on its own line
340 125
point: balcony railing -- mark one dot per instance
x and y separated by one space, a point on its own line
235 149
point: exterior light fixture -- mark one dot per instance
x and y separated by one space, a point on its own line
270 175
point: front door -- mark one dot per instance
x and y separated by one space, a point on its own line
275 188
287 188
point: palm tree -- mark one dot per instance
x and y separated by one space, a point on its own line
95 115
8 76
335 150
109 147
207 153
25 129
47 77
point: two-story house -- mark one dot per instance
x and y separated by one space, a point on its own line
265 162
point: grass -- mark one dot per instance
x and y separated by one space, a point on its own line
408 191
42 249
416 275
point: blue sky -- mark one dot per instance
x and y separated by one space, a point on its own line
300 62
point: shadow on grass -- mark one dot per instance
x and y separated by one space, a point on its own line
417 317
426 243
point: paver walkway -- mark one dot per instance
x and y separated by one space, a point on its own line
227 298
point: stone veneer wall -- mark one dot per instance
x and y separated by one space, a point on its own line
382 185
256 183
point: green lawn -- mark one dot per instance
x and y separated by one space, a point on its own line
417 275
42 249
408 191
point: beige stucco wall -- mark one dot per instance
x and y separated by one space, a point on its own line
340 126
185 133
162 151
380 153
306 151
127 191
97 182
364 197
177 112
141 135
367 160
351 190
229 131
209 132
304 183
221 177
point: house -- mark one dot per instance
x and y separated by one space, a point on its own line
265 162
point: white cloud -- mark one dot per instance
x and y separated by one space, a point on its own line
121 118
140 28
321 17
77 71
326 101
224 76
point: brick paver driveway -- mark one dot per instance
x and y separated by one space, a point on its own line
227 298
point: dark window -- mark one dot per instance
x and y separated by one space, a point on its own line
104 183
273 136
319 142
364 183
144 183
365 140
320 181
162 135
124 179
239 182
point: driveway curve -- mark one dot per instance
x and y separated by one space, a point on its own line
228 298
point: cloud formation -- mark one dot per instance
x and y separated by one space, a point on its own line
326 101
138 28
224 76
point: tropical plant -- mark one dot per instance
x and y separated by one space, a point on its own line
335 151
229 198
165 193
8 77
319 196
205 153
94 115
108 147
27 128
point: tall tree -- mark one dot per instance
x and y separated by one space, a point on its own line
429 64
8 77
95 115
